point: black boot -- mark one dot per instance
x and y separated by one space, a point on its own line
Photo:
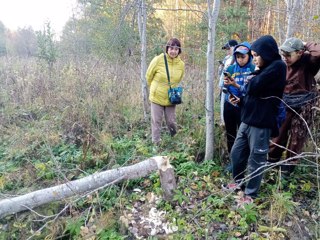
286 170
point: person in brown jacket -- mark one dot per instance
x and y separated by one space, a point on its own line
300 94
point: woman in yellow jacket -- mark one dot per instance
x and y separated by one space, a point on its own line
158 84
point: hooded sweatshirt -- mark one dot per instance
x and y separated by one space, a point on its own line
238 73
261 102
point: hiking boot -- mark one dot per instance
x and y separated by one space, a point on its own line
273 160
287 170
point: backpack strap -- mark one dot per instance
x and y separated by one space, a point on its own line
167 68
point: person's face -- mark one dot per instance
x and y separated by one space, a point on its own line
230 50
242 59
292 57
173 51
257 59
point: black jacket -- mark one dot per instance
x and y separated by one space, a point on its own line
261 103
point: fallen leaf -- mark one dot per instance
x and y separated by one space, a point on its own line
289 224
84 231
306 213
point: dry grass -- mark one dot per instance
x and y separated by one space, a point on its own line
95 94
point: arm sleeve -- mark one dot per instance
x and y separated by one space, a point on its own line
228 69
314 50
151 70
183 71
242 89
221 80
259 84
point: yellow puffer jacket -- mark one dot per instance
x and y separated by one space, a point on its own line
157 78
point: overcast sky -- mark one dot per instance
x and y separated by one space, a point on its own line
23 13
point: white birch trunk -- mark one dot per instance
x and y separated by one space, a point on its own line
212 21
278 21
83 186
142 25
293 8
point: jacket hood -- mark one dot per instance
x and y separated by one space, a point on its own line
244 44
241 48
267 48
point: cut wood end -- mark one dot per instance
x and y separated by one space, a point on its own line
163 162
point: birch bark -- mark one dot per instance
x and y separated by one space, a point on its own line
84 185
212 21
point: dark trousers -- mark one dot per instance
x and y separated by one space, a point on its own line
249 154
232 120
294 129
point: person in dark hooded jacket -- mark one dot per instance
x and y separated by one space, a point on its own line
259 111
235 84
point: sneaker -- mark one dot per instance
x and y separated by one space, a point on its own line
231 187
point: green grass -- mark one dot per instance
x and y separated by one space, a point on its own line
67 131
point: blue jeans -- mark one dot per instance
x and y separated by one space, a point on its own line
249 152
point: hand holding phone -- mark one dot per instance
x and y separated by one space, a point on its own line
227 91
227 74
232 98
228 80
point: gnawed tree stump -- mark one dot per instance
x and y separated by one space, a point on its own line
168 181
88 184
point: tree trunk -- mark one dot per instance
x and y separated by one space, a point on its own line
278 23
292 16
142 24
212 17
250 24
168 182
87 184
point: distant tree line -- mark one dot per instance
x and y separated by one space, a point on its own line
109 29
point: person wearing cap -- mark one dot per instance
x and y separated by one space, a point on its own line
303 63
231 43
259 111
239 71
227 61
158 84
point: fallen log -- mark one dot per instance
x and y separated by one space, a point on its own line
84 185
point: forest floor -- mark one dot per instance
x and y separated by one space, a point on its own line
201 209
65 125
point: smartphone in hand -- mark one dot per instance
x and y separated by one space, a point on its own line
232 98
227 74
227 91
